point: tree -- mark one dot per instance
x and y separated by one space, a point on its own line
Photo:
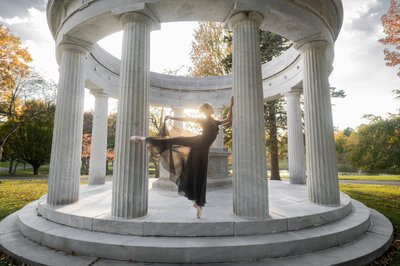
342 140
396 94
375 147
13 66
209 50
274 118
111 130
271 45
85 155
337 93
87 122
110 155
16 111
391 28
397 97
31 142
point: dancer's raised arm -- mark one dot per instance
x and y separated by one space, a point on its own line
228 118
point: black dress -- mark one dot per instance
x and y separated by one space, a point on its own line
186 158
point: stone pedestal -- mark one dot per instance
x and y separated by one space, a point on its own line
163 181
322 177
250 186
217 171
297 171
130 184
65 162
98 154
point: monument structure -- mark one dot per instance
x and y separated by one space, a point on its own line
306 221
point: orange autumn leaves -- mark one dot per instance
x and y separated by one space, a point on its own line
391 28
209 50
13 66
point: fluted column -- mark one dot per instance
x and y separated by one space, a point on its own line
250 186
322 177
65 162
297 172
130 184
178 112
219 141
98 153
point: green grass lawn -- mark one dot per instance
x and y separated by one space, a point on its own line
22 170
386 200
371 177
16 194
384 178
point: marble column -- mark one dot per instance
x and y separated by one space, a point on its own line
130 184
178 112
322 176
65 162
98 153
297 172
250 186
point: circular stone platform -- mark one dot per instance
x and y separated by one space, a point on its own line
297 233
173 215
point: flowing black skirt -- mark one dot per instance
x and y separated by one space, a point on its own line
186 158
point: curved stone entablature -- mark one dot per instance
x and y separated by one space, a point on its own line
295 20
299 21
280 75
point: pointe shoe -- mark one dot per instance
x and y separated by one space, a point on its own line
138 138
198 209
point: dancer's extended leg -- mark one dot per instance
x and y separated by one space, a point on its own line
138 138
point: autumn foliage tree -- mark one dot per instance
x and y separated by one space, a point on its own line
14 61
391 28
85 155
209 50
14 68
17 108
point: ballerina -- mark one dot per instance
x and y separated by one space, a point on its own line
192 180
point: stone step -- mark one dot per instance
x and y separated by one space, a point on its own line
195 249
14 244
361 251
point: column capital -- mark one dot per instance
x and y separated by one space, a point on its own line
135 17
70 43
293 93
97 94
243 16
306 45
139 12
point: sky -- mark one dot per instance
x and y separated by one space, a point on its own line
359 67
